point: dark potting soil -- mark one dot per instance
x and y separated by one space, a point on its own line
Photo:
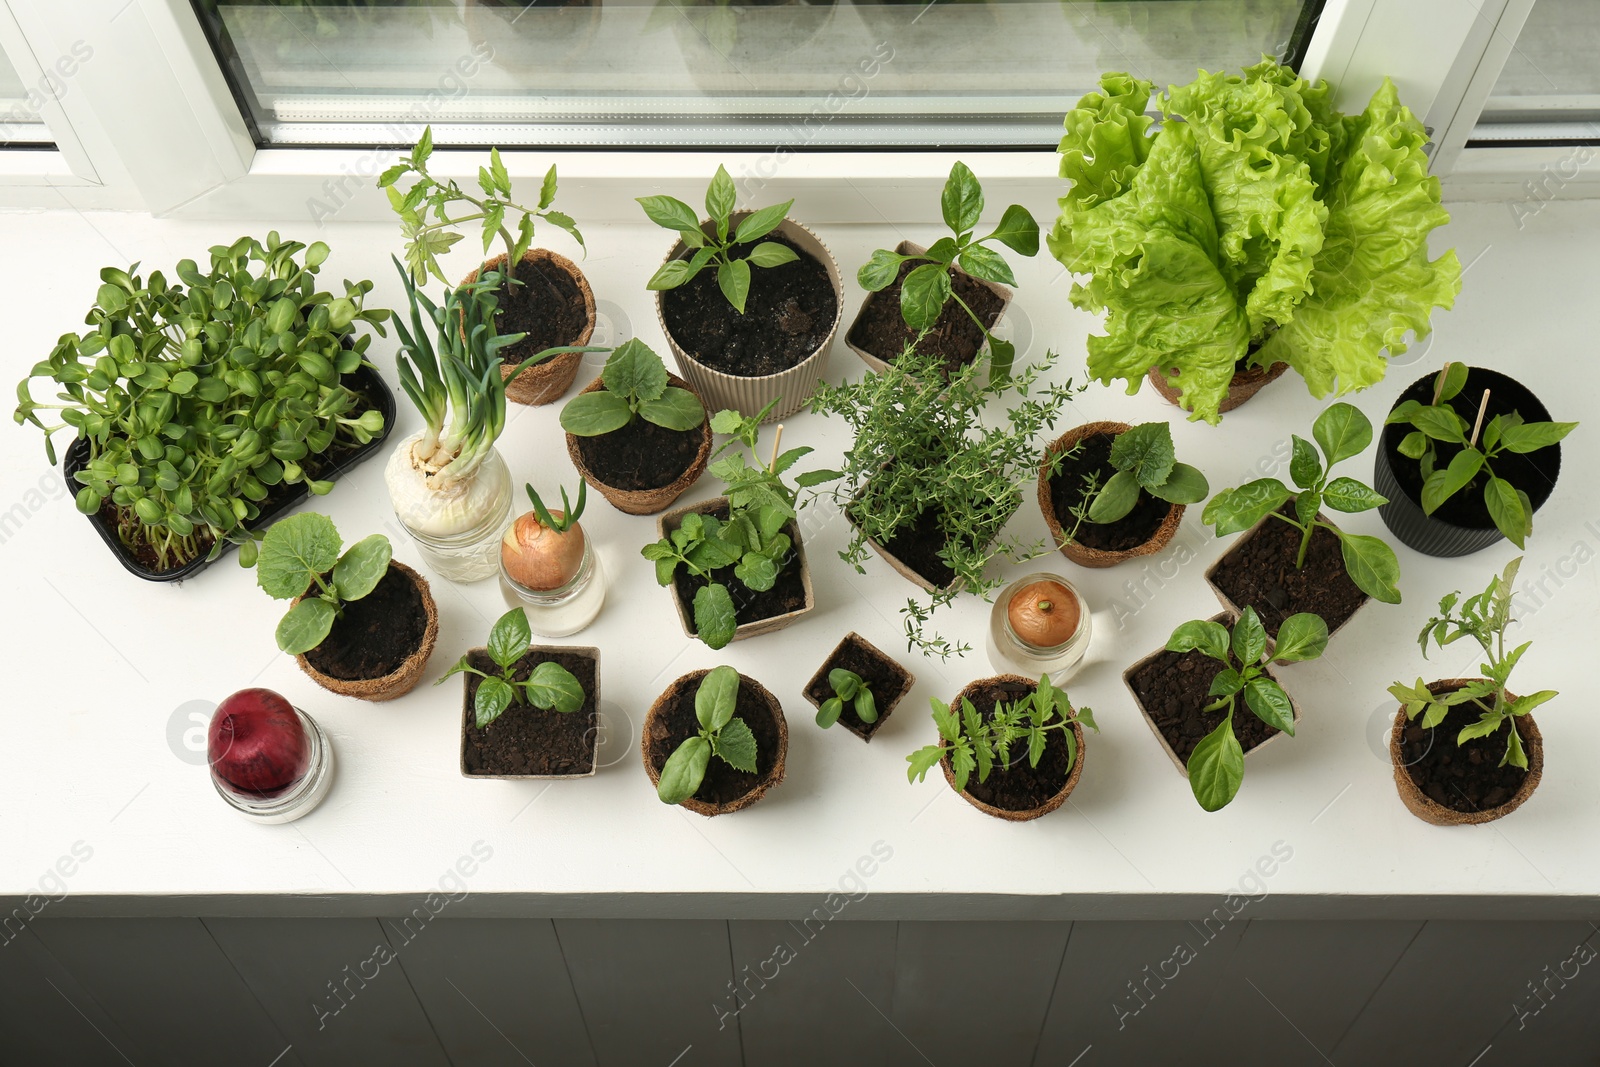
788 311
787 594
1093 455
917 546
1466 777
1019 787
548 306
723 783
1260 573
530 740
376 634
641 455
881 329
887 680
1174 689
1532 472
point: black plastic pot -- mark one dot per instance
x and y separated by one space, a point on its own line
1462 525
364 380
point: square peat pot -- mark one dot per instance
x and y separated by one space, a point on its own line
671 520
529 743
1272 614
911 248
890 682
1240 709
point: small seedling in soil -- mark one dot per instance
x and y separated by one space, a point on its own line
733 275
976 743
721 735
1145 459
848 688
550 686
300 555
636 387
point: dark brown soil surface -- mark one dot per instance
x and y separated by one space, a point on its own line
376 634
881 330
1174 690
918 545
1093 455
1532 472
787 313
530 740
1463 778
1019 787
887 679
787 594
548 306
723 783
641 455
1260 573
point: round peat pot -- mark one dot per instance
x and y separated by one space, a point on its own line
635 447
790 385
1244 384
401 599
1147 529
1029 795
1461 525
1490 791
672 721
879 332
888 681
555 300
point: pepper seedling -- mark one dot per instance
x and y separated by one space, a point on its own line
927 288
733 275
721 734
976 743
1483 618
300 555
549 686
1145 459
636 387
848 688
1342 431
1508 506
1216 766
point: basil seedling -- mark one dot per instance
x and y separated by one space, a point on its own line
721 735
550 686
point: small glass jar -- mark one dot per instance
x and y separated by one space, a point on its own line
297 798
473 555
565 610
1010 653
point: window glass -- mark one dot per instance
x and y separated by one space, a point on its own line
20 123
714 72
1549 89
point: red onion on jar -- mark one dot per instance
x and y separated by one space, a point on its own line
268 758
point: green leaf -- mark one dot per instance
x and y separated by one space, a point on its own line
1442 485
633 370
829 711
717 697
669 212
1209 637
547 189
720 199
1184 485
1482 728
1249 638
1524 704
922 761
1306 506
1017 231
685 769
362 567
1349 495
509 638
1216 767
1238 509
1300 637
733 279
596 413
305 626
1270 703
772 254
1304 467
986 264
1146 451
1454 379
1225 683
1115 499
1414 444
844 683
294 552
757 572
1342 431
880 271
675 409
1532 436
761 222
1372 565
1441 424
1507 510
492 698
553 686
962 199
866 706
923 295
736 745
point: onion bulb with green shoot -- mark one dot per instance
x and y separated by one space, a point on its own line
543 550
433 476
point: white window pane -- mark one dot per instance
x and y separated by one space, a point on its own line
665 72
1549 88
20 123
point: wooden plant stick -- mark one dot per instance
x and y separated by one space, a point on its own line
1483 405
1438 383
776 441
